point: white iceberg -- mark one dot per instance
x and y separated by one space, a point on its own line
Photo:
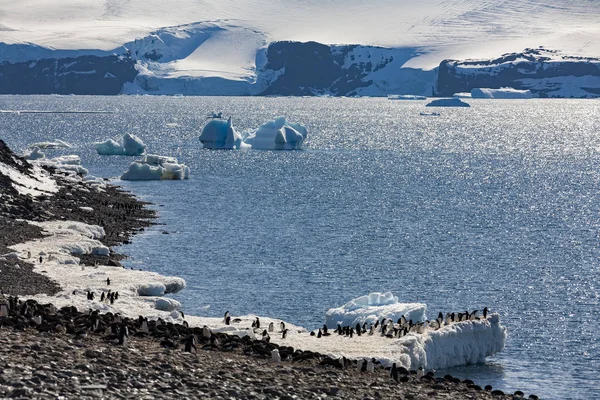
278 134
34 154
130 145
502 93
405 97
220 134
374 307
154 167
451 102
57 144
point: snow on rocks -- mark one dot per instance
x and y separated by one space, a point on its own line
37 183
220 134
130 145
155 167
451 102
502 93
278 134
63 241
373 307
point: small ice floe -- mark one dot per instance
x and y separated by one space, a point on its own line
154 167
56 144
34 154
405 97
220 134
451 102
166 304
130 145
278 134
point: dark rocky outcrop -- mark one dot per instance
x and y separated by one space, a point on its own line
87 74
539 70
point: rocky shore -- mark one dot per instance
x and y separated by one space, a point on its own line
47 352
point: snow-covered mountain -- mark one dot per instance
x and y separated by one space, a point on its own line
224 47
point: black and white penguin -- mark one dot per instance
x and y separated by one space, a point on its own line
206 333
123 335
282 326
394 372
225 316
340 330
363 366
102 297
284 333
190 344
107 281
266 337
271 327
325 332
485 312
358 329
228 320
319 334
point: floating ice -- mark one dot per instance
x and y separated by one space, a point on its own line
154 167
278 135
220 134
34 154
502 93
405 97
451 102
130 145
57 144
373 307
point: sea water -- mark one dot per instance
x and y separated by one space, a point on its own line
495 205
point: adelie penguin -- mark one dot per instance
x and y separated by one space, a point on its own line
190 344
225 317
107 281
102 297
271 327
394 372
284 333
123 335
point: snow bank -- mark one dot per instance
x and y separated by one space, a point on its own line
502 93
405 97
154 167
278 135
220 134
38 183
451 102
374 307
130 145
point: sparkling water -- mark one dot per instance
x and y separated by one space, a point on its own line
495 205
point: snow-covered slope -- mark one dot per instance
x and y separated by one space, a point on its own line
219 46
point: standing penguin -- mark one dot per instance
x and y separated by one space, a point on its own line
271 327
485 312
107 281
394 372
190 344
123 335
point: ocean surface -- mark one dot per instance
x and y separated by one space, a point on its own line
496 205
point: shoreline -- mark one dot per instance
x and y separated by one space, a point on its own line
122 224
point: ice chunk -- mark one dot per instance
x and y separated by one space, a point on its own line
451 102
502 93
34 154
278 135
220 134
405 97
130 145
151 289
57 144
154 167
165 304
373 307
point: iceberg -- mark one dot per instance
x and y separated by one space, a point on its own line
57 144
502 93
154 167
373 307
130 145
34 154
278 134
405 97
220 134
451 102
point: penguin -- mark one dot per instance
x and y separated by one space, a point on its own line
41 259
265 336
319 334
190 344
359 365
282 326
275 356
440 319
116 296
371 330
123 335
107 281
225 316
102 297
485 312
474 315
182 314
363 366
206 333
358 329
284 333
3 310
257 322
228 320
339 329
325 333
394 372
271 327
370 366
420 372
144 327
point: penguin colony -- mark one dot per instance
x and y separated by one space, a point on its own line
115 329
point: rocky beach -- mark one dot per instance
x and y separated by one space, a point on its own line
59 351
